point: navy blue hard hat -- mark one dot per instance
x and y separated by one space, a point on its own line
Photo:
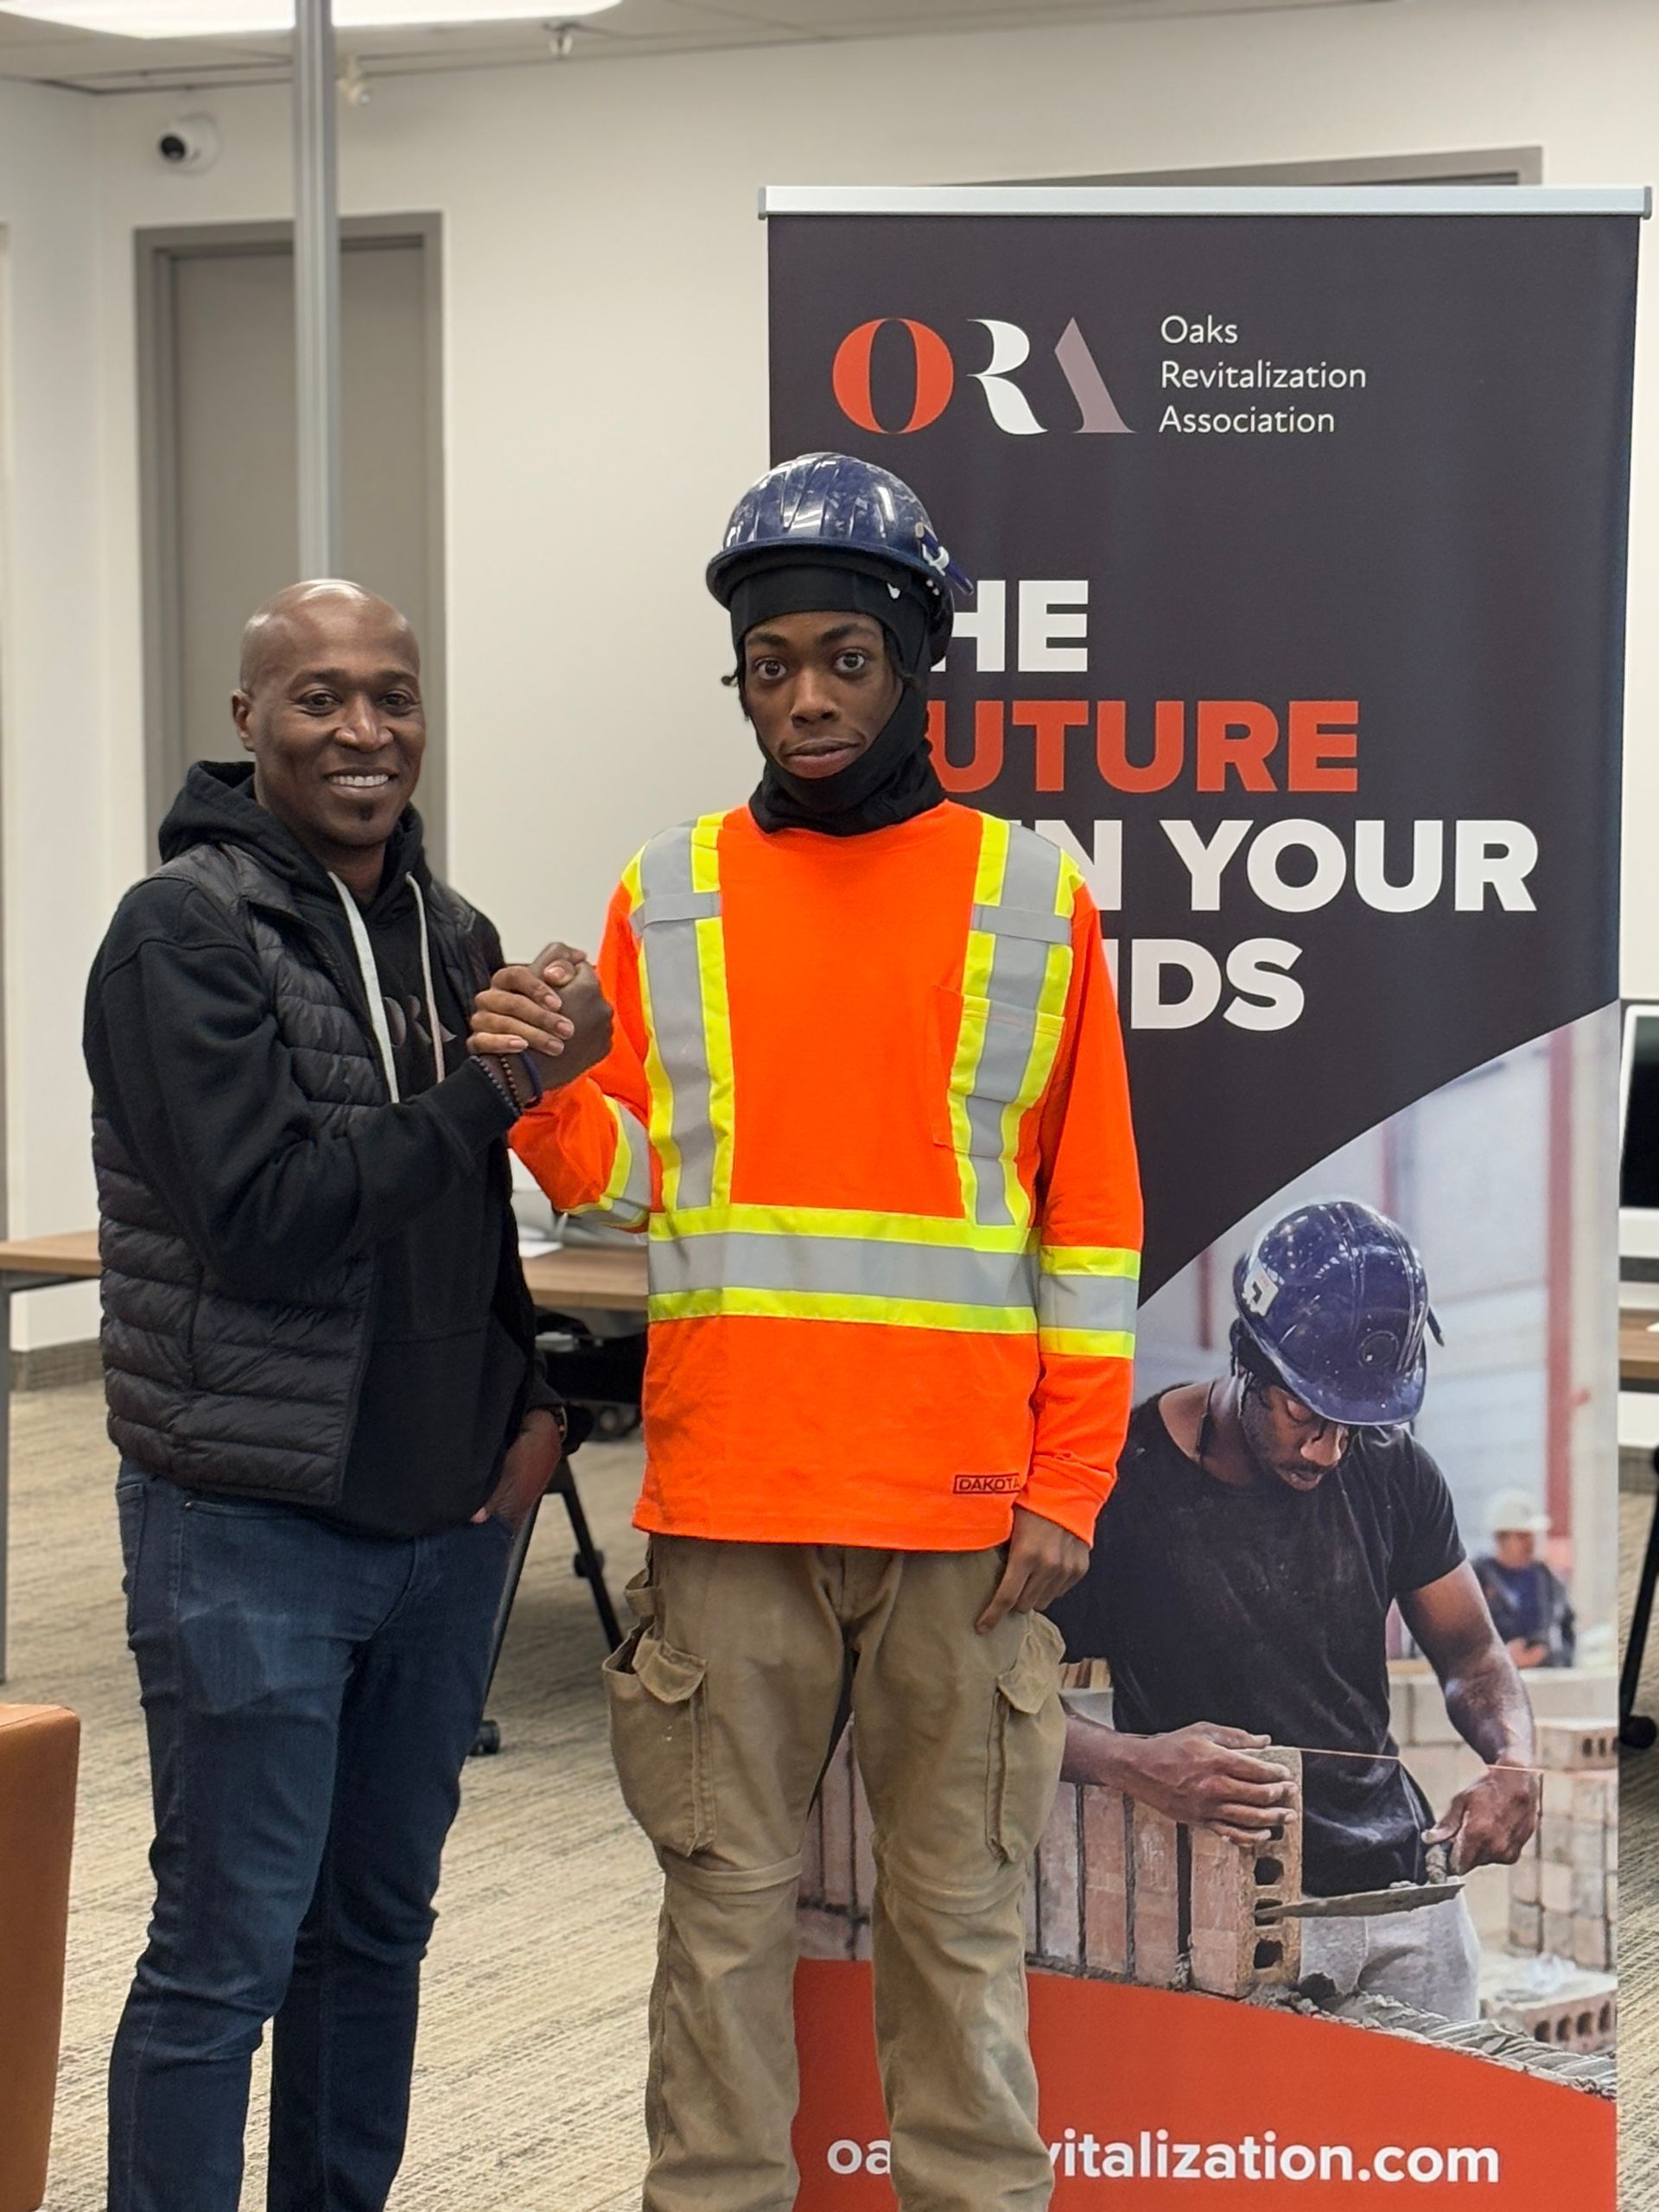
827 506
1335 1299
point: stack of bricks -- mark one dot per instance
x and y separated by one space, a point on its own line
1564 1890
1118 1891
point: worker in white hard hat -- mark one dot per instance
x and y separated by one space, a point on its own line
1527 1600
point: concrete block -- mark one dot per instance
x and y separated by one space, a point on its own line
1431 1723
1590 1845
1612 1899
1399 1712
1106 1880
1059 1880
1571 1746
1524 1880
1589 1893
1557 1797
1572 1692
836 1804
1230 1954
1555 1839
1595 1797
1583 2017
1610 1845
1526 1927
1486 1893
1557 1933
824 1934
1592 1942
1155 1898
1555 1886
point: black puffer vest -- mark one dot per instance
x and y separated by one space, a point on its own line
256 1396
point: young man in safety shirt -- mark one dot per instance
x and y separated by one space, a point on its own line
868 1095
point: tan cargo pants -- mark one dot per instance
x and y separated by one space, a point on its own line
722 1704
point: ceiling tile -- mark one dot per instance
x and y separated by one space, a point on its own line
97 62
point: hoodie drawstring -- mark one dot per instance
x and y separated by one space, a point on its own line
433 1029
377 999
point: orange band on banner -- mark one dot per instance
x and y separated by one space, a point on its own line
1202 2101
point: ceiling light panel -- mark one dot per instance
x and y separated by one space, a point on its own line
238 18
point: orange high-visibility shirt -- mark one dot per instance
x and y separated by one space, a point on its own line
867 1097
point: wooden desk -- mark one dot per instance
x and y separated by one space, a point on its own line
577 1280
1638 1351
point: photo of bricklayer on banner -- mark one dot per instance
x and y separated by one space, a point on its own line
1298 529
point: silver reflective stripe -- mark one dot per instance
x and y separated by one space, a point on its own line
851 1267
666 920
1048 929
635 1193
1023 923
1098 1303
677 906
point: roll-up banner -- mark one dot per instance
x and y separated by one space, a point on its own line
1298 520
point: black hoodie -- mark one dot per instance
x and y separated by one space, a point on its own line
199 1086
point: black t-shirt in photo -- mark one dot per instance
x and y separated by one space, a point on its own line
1265 1609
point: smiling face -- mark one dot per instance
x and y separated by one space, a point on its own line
329 706
819 689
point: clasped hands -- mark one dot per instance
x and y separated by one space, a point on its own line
553 1010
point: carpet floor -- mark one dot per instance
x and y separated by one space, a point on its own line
532 2063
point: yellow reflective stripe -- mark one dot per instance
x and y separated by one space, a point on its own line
627 1192
947 1232
978 959
1089 1260
840 1306
705 852
993 863
1087 1343
716 1006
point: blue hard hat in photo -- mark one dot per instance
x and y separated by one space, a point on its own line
1334 1298
825 506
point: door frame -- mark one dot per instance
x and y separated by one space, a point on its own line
157 254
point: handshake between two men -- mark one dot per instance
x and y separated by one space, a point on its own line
554 1011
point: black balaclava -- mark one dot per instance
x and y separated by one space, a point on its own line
894 778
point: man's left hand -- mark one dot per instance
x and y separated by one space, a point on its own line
531 1462
1043 1562
1492 1822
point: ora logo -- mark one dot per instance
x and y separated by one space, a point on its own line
934 372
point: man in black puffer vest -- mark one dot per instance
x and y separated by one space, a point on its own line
321 1378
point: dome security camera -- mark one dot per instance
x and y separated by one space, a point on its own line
192 142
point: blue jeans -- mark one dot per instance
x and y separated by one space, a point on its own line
311 1696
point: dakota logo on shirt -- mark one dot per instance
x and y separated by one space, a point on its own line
988 1485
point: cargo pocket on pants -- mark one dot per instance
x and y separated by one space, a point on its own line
1028 1741
659 1740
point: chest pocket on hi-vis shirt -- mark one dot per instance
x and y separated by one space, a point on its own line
993 1056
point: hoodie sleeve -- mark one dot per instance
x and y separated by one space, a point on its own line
186 1061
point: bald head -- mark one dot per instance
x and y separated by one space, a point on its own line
329 702
290 619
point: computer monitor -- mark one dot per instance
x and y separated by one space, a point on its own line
1638 1165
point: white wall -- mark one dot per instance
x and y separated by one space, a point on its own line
56 741
606 364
